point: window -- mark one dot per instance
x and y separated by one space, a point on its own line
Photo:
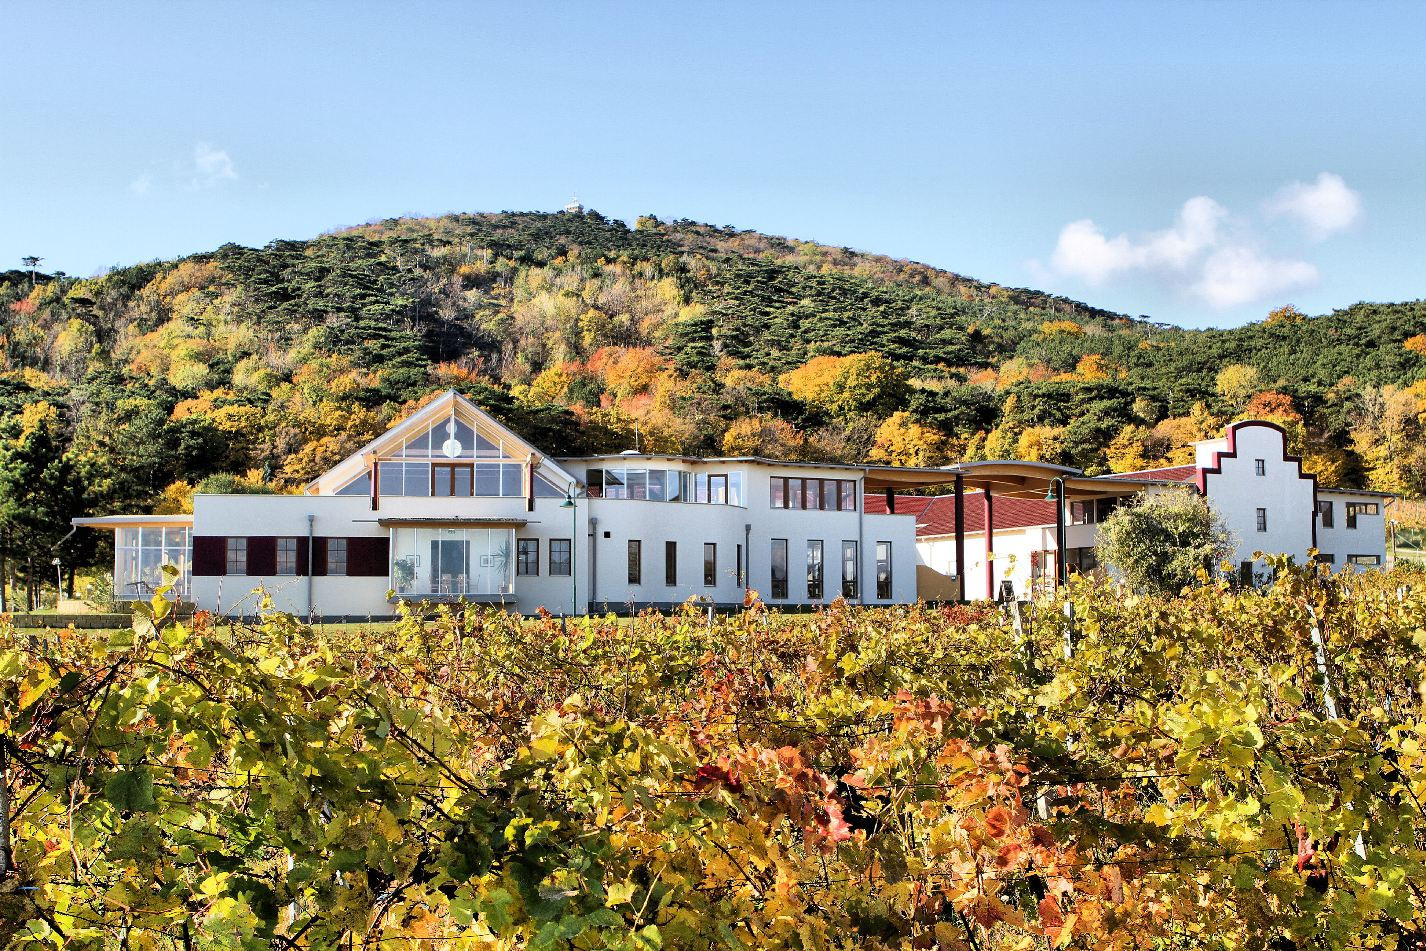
361 485
450 479
560 556
1326 559
336 556
779 567
814 570
849 569
718 489
883 571
710 564
1262 520
786 492
1260 467
1359 508
1364 560
777 488
237 556
287 556
636 561
527 556
738 569
670 563
1324 513
1082 513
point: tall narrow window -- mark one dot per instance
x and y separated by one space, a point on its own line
636 561
811 493
778 564
560 556
1324 509
1260 467
336 556
814 570
670 563
710 564
527 556
287 556
847 499
718 489
883 571
237 556
738 566
1262 520
849 569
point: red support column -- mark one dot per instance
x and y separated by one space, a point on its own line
989 545
963 594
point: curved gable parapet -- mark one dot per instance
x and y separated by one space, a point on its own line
1235 435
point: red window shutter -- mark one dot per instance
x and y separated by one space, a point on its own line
262 555
368 557
210 556
319 557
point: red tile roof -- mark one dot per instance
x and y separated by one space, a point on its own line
936 515
1167 474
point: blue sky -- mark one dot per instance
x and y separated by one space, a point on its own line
1197 163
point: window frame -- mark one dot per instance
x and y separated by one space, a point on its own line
1260 467
1364 561
1261 515
817 592
561 566
527 557
670 563
235 552
288 542
710 564
337 545
1325 516
451 468
851 569
884 589
634 548
778 587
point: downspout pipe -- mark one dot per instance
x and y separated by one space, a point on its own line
311 521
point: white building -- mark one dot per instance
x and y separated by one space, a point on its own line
449 504
1268 503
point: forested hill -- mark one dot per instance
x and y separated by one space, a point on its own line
259 367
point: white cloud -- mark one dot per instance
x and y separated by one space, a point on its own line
1237 275
1083 251
1323 207
211 166
142 185
1207 253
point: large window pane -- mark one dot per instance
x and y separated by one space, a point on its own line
883 571
779 567
814 570
849 569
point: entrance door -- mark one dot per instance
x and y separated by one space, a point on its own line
450 566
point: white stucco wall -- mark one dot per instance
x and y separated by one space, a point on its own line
754 525
1341 542
1236 491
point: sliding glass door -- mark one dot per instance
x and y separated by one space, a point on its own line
452 561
